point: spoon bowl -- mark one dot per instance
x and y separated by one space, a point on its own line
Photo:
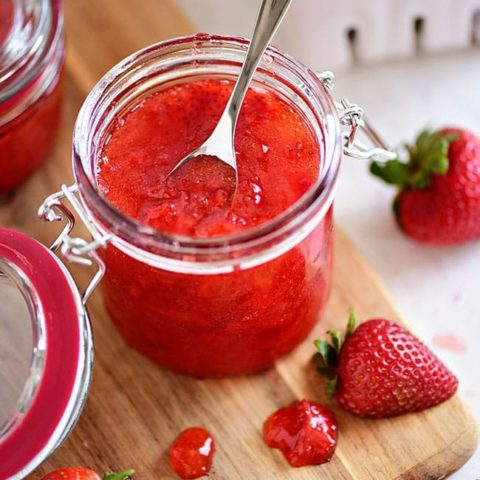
221 143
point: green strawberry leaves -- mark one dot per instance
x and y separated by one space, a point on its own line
393 172
427 157
327 356
351 324
125 475
326 353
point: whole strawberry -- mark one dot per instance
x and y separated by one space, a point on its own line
439 188
82 473
382 370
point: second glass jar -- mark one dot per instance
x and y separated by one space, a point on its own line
31 66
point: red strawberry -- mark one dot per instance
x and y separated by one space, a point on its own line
382 370
439 196
81 473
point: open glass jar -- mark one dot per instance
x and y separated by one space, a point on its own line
31 63
222 305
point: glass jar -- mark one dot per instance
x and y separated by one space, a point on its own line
222 305
31 63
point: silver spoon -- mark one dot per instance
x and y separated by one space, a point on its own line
220 144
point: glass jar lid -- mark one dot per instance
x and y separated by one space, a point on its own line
29 33
46 354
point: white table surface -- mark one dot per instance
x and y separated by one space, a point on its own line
436 289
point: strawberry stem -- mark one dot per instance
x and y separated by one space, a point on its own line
125 475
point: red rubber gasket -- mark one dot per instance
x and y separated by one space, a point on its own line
26 442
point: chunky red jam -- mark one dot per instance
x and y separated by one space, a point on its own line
211 325
6 19
305 432
26 140
191 454
278 160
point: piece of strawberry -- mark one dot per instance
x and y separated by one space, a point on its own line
381 370
82 473
439 188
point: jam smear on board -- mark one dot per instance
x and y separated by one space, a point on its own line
305 432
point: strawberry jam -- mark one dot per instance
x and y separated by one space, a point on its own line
227 323
278 160
305 432
30 86
191 454
26 141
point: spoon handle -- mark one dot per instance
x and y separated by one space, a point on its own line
269 18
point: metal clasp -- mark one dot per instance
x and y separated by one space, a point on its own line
75 249
352 116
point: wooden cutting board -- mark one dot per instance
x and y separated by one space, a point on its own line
135 409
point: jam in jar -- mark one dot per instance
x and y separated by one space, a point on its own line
203 278
31 62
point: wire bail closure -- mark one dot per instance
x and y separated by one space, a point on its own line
75 249
352 116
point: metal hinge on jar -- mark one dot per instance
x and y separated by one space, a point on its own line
75 249
352 116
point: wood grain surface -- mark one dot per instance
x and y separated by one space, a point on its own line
135 409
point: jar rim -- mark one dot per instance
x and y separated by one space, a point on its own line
126 229
29 45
